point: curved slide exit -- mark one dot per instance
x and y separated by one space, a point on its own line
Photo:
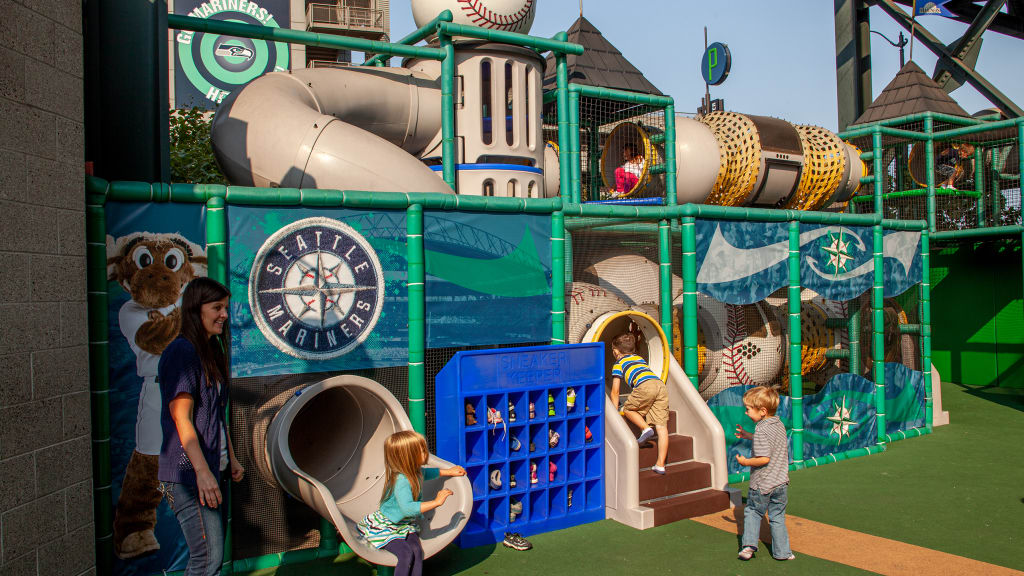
326 448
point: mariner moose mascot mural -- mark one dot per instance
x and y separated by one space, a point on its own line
154 270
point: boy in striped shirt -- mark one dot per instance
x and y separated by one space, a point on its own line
647 404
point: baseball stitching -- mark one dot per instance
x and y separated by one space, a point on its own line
732 364
484 17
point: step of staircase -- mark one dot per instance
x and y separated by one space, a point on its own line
683 506
677 479
680 449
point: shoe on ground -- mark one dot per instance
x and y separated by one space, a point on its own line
646 435
790 557
747 553
516 542
658 469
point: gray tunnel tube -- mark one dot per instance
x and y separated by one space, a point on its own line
345 129
325 447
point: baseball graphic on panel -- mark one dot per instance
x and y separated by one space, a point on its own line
507 15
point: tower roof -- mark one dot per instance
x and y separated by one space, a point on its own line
601 63
910 92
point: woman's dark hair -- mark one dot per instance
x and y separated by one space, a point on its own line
211 354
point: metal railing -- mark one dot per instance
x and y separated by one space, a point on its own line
328 64
344 17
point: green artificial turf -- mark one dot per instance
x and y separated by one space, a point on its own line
958 490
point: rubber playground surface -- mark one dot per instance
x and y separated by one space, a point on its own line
947 503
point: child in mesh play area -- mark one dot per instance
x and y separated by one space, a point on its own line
647 404
769 474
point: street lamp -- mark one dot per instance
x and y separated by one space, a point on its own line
903 42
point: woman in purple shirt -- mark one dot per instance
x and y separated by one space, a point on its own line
193 377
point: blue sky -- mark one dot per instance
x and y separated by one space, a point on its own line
783 52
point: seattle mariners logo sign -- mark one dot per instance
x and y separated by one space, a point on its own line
210 66
316 289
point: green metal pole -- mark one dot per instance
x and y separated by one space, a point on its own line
226 28
670 155
99 371
979 184
996 198
1020 151
557 278
594 161
929 161
217 269
926 328
558 44
562 95
420 34
665 278
689 242
417 316
796 388
574 146
853 336
448 110
216 240
877 319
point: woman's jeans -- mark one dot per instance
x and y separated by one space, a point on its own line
202 526
772 505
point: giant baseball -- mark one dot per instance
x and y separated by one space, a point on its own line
507 15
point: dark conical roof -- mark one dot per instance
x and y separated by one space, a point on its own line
910 92
601 63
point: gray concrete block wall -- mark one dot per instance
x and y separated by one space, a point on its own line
46 518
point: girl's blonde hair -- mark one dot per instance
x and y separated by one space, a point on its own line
403 454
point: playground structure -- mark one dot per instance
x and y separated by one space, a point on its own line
611 264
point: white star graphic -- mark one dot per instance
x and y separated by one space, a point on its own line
838 252
841 421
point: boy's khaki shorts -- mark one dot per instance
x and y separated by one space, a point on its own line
650 400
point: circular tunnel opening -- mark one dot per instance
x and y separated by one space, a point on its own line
336 430
651 345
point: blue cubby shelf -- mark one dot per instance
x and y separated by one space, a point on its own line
514 378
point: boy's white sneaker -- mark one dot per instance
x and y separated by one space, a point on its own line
646 435
658 469
747 553
790 557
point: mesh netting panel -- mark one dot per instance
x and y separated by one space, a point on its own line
977 179
607 129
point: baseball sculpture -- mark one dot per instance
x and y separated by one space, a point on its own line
507 15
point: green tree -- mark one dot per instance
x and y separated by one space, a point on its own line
192 159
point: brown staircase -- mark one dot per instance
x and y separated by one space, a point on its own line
684 491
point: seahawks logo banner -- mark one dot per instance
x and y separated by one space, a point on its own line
319 290
840 417
744 262
208 67
153 251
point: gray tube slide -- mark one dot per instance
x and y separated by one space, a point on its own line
346 129
325 447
